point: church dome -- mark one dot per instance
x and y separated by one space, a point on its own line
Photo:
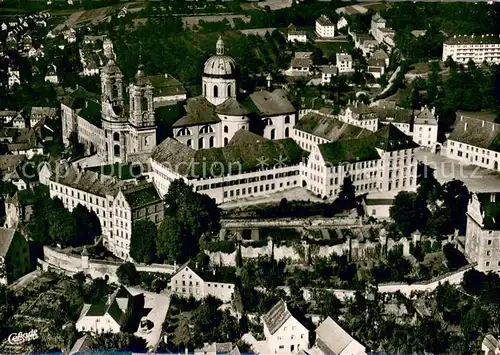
111 68
220 65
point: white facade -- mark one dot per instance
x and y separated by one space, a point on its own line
14 78
327 72
98 324
473 141
297 36
344 62
425 128
284 337
186 283
341 23
324 27
482 239
478 48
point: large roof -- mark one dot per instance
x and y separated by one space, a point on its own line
323 20
397 114
490 206
425 116
478 133
276 317
198 111
329 128
271 103
331 338
232 107
88 181
165 85
220 65
473 39
245 152
141 195
91 112
388 138
109 305
6 237
77 98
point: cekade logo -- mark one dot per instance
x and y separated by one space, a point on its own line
20 338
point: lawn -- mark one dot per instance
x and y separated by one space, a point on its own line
331 48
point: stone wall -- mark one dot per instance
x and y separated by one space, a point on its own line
71 264
357 250
310 222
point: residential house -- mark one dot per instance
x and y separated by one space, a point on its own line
377 207
325 28
284 333
332 339
475 139
27 149
19 121
14 178
478 48
14 77
296 36
69 35
425 127
365 42
51 75
490 345
109 314
344 63
39 113
360 115
376 67
341 23
381 54
482 236
327 72
14 255
6 116
380 32
12 211
302 63
189 281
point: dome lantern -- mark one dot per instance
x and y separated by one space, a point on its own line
219 48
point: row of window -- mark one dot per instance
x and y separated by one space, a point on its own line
246 180
256 189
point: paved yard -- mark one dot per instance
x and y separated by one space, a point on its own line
157 304
476 179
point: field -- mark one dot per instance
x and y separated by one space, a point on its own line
331 48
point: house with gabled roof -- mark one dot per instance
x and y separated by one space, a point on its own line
108 315
14 255
191 281
284 333
332 339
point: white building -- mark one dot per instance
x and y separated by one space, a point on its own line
475 139
301 63
341 23
230 172
332 339
69 35
108 315
13 77
327 72
478 48
297 36
360 115
490 344
380 32
482 238
313 129
344 62
117 203
425 128
365 42
284 333
382 162
188 281
324 27
51 75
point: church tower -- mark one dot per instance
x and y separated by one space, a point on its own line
142 137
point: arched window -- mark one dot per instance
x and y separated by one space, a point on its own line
287 132
226 130
268 122
200 143
225 141
189 143
117 150
229 90
106 147
114 92
206 129
273 133
184 132
216 91
287 119
116 136
211 142
144 103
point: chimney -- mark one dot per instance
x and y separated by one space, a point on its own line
465 127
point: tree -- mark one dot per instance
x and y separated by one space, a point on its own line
118 342
143 241
76 148
86 225
238 259
170 245
127 274
327 304
408 212
347 195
